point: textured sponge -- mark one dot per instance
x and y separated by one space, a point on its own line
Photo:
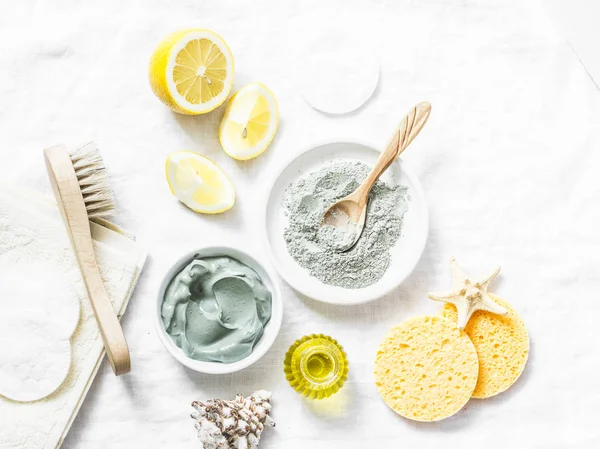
426 368
502 346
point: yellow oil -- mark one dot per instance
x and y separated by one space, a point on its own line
320 366
316 366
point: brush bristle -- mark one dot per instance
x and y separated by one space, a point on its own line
93 181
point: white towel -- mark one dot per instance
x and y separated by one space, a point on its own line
33 243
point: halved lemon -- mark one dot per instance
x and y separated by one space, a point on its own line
191 71
250 122
199 183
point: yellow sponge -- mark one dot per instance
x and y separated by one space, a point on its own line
502 346
426 368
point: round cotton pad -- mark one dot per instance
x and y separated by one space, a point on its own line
502 346
339 74
34 368
426 368
35 330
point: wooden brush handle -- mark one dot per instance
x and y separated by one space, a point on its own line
111 331
72 207
408 129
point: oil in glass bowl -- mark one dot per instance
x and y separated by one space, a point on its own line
316 366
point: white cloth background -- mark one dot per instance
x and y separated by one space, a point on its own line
509 162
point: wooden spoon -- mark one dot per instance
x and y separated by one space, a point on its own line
348 214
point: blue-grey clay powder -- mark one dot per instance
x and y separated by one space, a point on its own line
306 200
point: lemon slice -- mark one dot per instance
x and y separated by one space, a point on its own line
191 71
250 122
199 183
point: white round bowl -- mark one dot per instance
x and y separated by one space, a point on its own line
271 329
404 254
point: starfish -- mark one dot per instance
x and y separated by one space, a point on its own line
469 296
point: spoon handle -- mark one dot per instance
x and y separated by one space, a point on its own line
408 129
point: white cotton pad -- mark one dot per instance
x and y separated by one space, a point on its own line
61 304
338 73
40 313
34 368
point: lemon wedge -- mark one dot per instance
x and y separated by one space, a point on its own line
199 183
250 122
191 71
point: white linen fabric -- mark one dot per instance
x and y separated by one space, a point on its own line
508 161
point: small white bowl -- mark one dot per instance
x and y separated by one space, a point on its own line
271 329
404 254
